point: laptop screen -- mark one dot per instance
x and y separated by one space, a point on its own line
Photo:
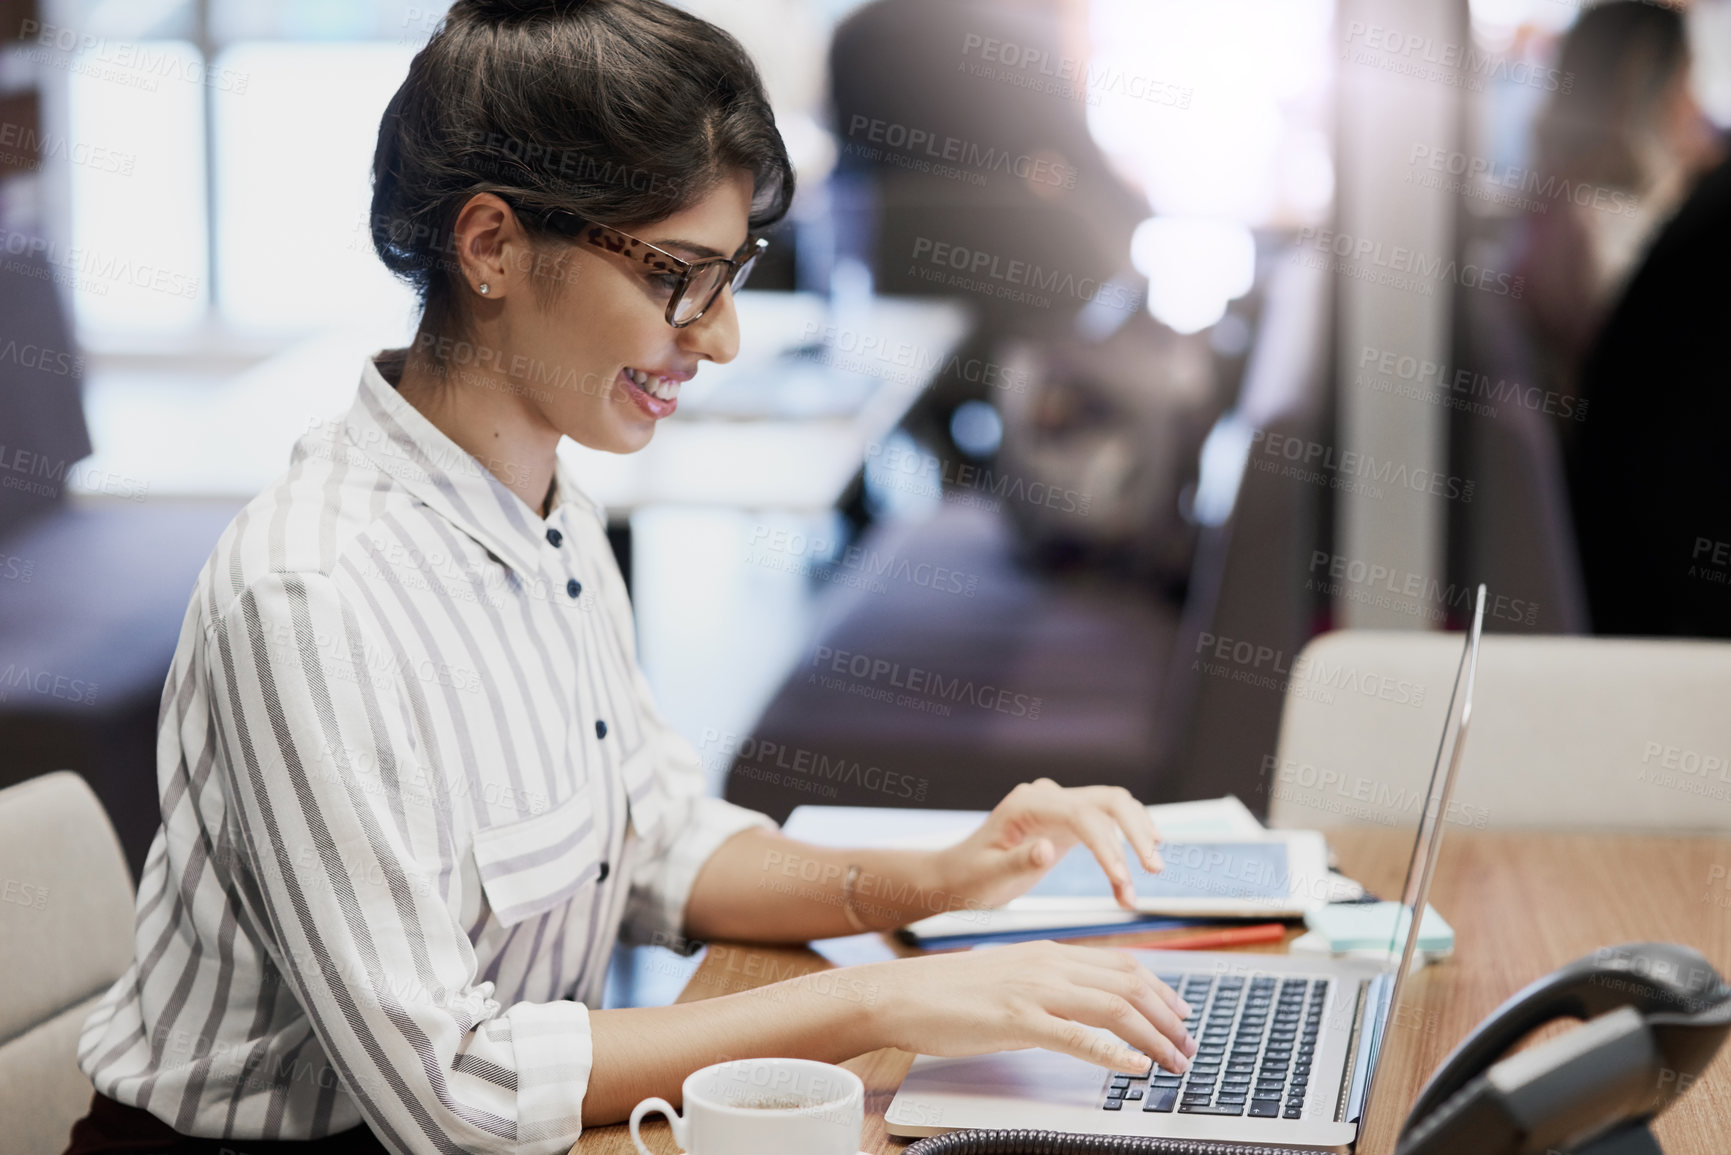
1436 807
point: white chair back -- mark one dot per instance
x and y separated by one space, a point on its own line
66 923
1567 733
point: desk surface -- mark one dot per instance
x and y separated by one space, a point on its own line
171 438
1522 905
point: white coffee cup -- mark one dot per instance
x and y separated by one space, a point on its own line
750 1106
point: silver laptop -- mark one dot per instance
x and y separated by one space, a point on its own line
1288 1045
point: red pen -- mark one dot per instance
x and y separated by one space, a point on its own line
1209 940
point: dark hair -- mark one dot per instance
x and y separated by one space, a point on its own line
620 111
1619 60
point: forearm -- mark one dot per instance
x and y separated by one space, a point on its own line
644 1051
762 886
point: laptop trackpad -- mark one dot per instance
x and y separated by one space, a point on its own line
1034 1075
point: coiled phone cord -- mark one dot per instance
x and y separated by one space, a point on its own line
1030 1142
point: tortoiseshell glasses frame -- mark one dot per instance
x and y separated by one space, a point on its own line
693 285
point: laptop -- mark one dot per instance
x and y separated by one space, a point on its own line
1289 1046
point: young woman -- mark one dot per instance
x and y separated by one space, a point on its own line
413 786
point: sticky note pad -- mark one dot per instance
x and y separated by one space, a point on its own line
1372 926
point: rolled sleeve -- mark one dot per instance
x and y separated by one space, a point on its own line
685 827
552 1052
661 887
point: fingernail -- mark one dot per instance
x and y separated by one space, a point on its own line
1147 1064
1183 1064
1184 1008
1155 861
1190 1043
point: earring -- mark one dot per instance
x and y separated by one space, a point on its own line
485 288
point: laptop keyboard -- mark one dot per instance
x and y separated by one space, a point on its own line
1256 1036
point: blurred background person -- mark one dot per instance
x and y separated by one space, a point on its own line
1621 317
966 166
1582 174
1007 169
1625 132
1652 483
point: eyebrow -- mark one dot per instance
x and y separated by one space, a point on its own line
703 252
689 246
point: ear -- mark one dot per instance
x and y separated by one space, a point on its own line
484 238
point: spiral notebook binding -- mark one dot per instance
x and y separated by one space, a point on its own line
1022 1141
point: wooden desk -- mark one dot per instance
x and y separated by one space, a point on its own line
1521 904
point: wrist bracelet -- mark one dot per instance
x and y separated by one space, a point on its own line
847 885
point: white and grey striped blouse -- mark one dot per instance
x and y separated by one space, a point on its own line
413 790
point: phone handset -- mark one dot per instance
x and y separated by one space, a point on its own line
1653 1015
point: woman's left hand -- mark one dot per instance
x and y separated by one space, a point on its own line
1038 823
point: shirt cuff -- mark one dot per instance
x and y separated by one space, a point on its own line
553 1053
657 912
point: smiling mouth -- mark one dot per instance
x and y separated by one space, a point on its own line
656 396
661 388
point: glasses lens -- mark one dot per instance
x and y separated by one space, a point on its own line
702 290
744 273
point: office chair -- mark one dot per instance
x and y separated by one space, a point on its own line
1259 534
1567 733
66 921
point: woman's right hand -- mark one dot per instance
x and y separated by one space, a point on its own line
1032 994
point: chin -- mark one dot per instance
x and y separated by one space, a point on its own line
631 436
614 436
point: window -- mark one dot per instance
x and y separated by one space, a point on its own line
138 256
230 205
294 163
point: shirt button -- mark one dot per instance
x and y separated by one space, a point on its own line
602 877
601 729
555 538
573 587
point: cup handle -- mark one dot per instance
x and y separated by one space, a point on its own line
649 1107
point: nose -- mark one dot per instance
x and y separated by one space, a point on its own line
715 335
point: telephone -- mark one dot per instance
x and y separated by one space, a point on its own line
1653 1016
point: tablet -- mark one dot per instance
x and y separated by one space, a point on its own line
1280 874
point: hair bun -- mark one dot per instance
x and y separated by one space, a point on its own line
504 11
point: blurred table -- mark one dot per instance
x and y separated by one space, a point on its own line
1522 905
787 425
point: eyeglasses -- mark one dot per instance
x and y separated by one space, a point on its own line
692 286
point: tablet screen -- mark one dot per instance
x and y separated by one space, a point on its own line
1213 870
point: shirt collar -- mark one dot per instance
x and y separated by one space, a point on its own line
413 451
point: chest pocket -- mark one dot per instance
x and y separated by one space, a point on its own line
530 867
645 793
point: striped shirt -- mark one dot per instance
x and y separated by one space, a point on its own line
413 790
